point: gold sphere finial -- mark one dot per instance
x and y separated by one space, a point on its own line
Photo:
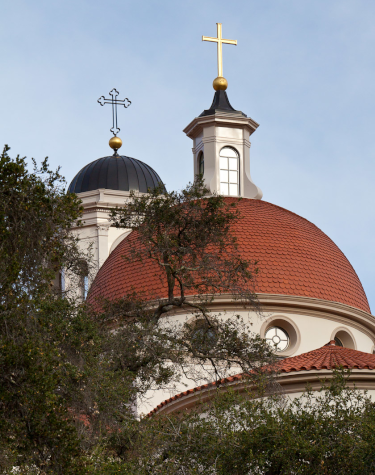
220 84
115 143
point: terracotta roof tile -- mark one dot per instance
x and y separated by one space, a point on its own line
295 258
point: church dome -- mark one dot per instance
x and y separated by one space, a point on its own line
115 173
294 258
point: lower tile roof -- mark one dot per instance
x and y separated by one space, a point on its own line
327 357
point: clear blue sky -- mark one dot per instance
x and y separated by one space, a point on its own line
305 70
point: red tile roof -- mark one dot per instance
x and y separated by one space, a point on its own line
328 357
295 258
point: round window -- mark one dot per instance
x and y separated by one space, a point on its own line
277 338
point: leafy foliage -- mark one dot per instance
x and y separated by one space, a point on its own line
35 215
71 376
189 236
69 383
37 327
329 432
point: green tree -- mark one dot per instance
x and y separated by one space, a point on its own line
37 326
188 236
329 432
69 383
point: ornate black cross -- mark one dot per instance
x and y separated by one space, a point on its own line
114 101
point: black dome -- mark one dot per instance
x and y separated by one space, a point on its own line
115 173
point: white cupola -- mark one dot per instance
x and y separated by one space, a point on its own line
221 151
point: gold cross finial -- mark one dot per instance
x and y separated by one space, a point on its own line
220 82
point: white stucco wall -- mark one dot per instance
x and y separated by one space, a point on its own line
314 332
95 232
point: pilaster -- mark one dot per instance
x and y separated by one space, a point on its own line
102 245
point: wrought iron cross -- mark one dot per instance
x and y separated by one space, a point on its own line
114 101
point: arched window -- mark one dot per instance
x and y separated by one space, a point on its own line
201 163
229 172
338 341
59 282
343 337
62 281
85 286
84 277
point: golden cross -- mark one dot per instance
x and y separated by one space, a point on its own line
219 40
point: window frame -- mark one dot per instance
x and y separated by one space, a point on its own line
228 170
200 162
274 346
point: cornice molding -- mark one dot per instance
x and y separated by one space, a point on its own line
90 222
103 191
223 119
312 307
226 140
320 308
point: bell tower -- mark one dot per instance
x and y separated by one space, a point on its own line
221 139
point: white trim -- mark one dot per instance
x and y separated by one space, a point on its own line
348 332
287 324
119 239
